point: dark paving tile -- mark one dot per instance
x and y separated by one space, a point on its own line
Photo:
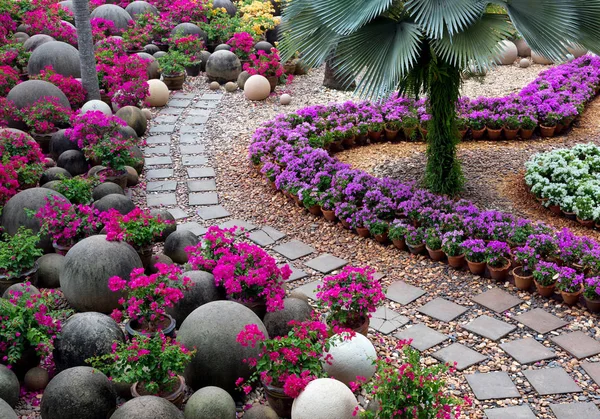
593 370
194 160
200 172
578 344
273 233
403 293
492 385
488 327
192 149
497 300
442 309
423 337
171 111
207 185
166 119
527 350
261 238
162 128
309 289
386 320
551 381
296 273
213 212
179 103
575 410
161 200
243 226
514 412
194 227
540 320
206 104
161 186
158 150
181 95
178 213
192 129
159 173
196 119
158 139
326 263
190 138
204 198
460 355
156 161
294 249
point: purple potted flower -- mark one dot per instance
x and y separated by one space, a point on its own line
475 253
570 284
591 293
397 233
545 276
433 243
415 239
452 246
496 257
523 274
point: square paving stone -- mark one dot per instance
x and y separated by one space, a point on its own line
462 355
326 263
204 198
194 160
191 149
156 161
153 151
199 112
161 186
166 119
178 213
294 249
171 111
192 129
161 200
403 293
159 173
578 344
190 138
201 172
179 103
442 309
207 104
575 411
540 320
497 300
527 350
181 95
488 327
296 273
158 139
385 320
212 96
423 337
309 289
273 233
213 212
194 227
551 381
513 412
195 119
240 224
492 386
162 128
593 370
201 185
261 238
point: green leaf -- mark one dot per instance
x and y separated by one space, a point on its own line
438 17
346 16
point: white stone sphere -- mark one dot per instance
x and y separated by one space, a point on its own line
158 94
508 53
257 87
324 398
539 59
350 358
214 85
577 51
96 105
231 86
147 113
524 63
285 99
523 48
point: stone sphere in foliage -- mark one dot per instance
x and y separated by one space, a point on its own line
210 402
30 91
285 99
50 266
223 66
324 398
212 329
134 118
9 386
35 41
89 265
132 176
151 49
522 47
242 78
21 37
177 242
187 28
73 161
227 5
214 85
136 8
85 335
7 412
231 86
96 105
260 411
156 259
276 322
63 57
115 201
66 5
351 357
54 173
151 65
202 291
76 393
204 56
23 287
138 157
158 94
223 47
59 143
257 87
159 54
508 53
115 14
106 188
263 46
166 216
147 407
36 379
14 213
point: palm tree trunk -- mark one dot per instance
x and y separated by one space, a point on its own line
332 80
443 174
85 44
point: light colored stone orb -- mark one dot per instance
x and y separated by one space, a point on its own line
231 86
96 105
147 113
351 357
324 398
508 53
539 59
524 63
158 93
577 51
523 48
285 99
214 85
257 87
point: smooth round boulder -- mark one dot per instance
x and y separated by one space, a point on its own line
67 5
522 47
508 53
257 87
36 379
53 184
158 258
134 118
30 91
351 357
106 188
151 65
136 8
138 158
63 57
225 4
272 35
263 46
276 322
202 291
285 99
242 78
223 47
54 173
147 407
214 85
21 287
89 265
14 214
166 216
73 161
210 403
212 329
159 54
96 105
187 28
324 398
158 93
83 336
21 37
147 113
577 50
177 242
115 14
132 176
94 170
299 295
231 86
524 63
7 412
223 66
9 386
59 143
128 132
204 56
115 201
151 49
50 266
78 392
540 59
35 41
260 411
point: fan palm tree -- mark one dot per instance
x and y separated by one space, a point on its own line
421 46
85 44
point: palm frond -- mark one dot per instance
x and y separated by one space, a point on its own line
438 17
346 16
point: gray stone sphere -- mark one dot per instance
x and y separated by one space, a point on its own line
524 63
95 170
128 132
77 391
351 357
66 5
53 184
115 14
212 329
136 8
242 78
189 29
202 291
64 58
24 28
223 66
73 161
21 37
89 265
272 35
60 143
147 407
50 266
115 201
210 403
166 216
227 4
263 46
138 156
223 47
151 49
134 118
324 398
85 335
36 379
260 411
14 215
9 386
177 242
294 309
106 188
23 287
96 105
298 295
7 412
158 258
54 173
522 48
147 113
132 176
214 85
231 86
540 59
35 41
204 56
159 54
151 66
30 91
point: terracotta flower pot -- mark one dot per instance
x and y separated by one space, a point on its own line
381 238
477 134
559 129
345 224
526 134
586 223
436 255
476 268
273 80
510 134
592 305
174 395
329 215
145 254
315 210
391 134
555 209
571 298
457 262
494 134
363 232
61 250
545 290
522 282
399 244
499 274
415 250
174 81
462 133
349 142
28 275
375 136
547 131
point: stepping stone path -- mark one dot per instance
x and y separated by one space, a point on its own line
326 263
488 327
294 249
492 385
541 321
578 344
551 381
575 411
403 293
461 356
422 337
527 351
515 412
386 320
497 300
442 309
